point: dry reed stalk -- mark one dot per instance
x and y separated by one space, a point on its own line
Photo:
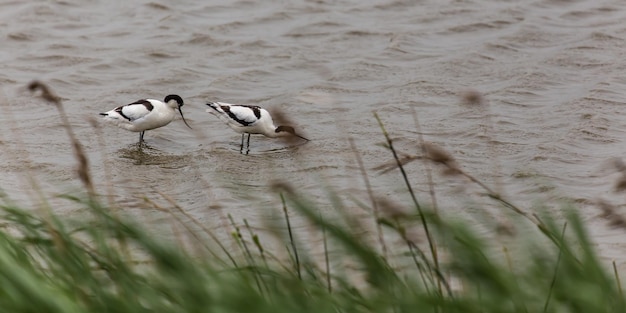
429 176
475 98
83 163
620 184
429 237
611 214
22 154
281 118
105 163
438 155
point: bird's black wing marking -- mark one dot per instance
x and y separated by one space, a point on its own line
256 110
239 119
119 111
143 102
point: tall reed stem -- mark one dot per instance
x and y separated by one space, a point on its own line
81 157
429 237
291 239
556 271
619 283
368 186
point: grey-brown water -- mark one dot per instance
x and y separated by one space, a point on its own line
551 73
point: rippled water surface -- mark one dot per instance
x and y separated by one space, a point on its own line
551 73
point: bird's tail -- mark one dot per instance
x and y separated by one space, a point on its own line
215 106
217 110
220 110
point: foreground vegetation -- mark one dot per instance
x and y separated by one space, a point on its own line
99 261
105 264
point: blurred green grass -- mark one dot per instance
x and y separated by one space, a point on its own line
51 265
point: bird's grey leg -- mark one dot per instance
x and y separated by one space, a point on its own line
241 147
248 144
141 142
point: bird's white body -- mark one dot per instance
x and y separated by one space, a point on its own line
145 114
245 119
142 115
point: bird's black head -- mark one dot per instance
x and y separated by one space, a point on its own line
288 129
178 100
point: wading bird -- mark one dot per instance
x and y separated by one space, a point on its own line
146 114
249 119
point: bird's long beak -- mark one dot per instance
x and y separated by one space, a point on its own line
300 137
181 115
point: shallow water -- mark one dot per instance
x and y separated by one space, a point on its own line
551 73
